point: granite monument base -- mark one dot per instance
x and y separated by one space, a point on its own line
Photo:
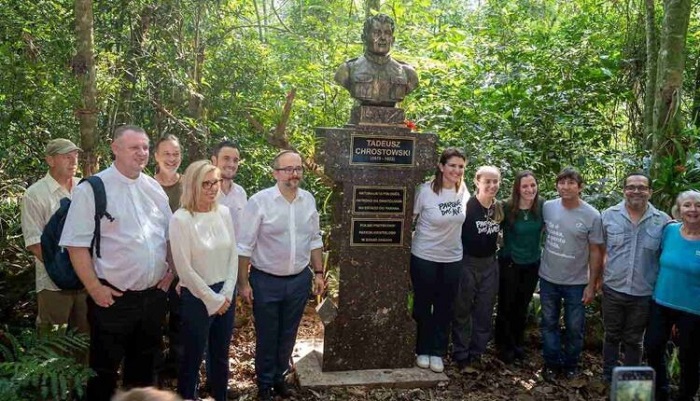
309 354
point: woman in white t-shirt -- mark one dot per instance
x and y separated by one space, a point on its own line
204 252
436 256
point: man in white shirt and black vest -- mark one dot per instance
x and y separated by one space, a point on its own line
281 241
127 284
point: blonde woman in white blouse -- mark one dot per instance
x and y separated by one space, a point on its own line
204 252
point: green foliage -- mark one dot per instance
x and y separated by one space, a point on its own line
40 367
679 169
673 364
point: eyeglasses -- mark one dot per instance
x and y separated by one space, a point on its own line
289 170
210 184
636 188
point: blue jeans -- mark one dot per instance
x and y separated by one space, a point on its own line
551 296
200 331
278 306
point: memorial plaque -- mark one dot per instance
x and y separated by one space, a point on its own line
378 200
382 150
377 232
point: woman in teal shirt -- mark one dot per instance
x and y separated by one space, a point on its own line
519 261
676 299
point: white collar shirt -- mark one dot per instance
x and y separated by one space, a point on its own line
40 202
278 235
235 200
134 245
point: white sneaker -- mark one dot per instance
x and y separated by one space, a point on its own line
423 361
436 364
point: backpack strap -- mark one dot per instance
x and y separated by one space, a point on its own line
98 189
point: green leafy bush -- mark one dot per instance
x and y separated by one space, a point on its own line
42 367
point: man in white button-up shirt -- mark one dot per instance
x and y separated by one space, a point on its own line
226 157
40 202
128 283
281 237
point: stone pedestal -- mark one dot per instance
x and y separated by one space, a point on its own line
375 167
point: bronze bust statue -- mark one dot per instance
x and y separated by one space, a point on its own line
375 78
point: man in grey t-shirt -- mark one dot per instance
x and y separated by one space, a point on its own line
570 267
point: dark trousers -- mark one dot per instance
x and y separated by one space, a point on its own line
661 320
129 330
171 330
200 331
476 296
625 317
516 285
278 306
434 289
551 296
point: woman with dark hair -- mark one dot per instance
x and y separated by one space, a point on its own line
676 299
519 262
436 256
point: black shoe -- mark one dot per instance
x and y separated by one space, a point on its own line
549 374
283 390
462 364
265 394
507 356
519 353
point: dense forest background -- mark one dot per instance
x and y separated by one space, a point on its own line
606 86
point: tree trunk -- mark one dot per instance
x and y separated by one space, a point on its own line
696 95
650 85
139 36
198 134
84 70
671 65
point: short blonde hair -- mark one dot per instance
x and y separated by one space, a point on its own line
146 394
192 183
676 210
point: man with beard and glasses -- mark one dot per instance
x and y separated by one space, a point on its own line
281 241
226 156
632 231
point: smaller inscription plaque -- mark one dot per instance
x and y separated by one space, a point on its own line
393 151
378 200
377 232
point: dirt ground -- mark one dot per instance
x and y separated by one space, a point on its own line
491 381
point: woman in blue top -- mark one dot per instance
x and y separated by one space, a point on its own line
676 299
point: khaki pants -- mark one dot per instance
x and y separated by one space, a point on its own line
65 307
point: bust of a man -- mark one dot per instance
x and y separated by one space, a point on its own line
375 78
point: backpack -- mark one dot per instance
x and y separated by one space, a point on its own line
56 259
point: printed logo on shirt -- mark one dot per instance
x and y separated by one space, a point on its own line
697 253
450 208
487 227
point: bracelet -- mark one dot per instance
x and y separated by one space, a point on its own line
318 272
